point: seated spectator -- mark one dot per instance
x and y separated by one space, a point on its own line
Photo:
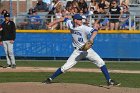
115 14
125 19
104 4
75 4
51 14
34 21
25 22
93 5
68 4
55 4
41 6
2 16
103 19
58 15
123 5
82 4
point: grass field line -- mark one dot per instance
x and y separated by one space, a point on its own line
52 69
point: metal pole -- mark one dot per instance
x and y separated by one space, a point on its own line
28 4
18 8
129 22
11 10
134 22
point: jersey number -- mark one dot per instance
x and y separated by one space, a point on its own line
80 39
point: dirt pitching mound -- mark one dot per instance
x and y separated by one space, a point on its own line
30 87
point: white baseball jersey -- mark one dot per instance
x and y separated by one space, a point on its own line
79 34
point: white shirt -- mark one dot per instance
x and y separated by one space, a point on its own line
79 34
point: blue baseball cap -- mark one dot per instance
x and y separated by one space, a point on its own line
77 16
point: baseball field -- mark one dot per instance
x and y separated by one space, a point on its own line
84 77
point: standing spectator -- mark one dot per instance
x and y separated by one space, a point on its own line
115 14
41 6
8 35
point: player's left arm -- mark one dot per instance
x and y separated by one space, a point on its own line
93 35
92 32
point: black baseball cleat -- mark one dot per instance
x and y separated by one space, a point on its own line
9 66
47 81
113 83
13 66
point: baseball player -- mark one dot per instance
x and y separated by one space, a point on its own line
82 48
8 35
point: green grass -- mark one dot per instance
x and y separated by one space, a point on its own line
127 80
111 65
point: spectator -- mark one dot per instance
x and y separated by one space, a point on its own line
41 6
123 5
55 4
58 15
68 4
82 4
125 19
86 12
76 10
104 4
2 15
115 14
93 5
75 4
25 22
34 20
103 19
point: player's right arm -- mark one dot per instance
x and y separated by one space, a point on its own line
55 22
58 20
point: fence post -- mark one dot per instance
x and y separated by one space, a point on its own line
129 22
134 22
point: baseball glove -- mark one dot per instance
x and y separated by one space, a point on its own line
87 46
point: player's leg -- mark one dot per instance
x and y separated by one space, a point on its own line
96 59
72 60
11 54
5 45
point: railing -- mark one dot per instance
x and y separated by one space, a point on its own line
24 23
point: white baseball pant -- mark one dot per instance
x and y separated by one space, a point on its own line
78 55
